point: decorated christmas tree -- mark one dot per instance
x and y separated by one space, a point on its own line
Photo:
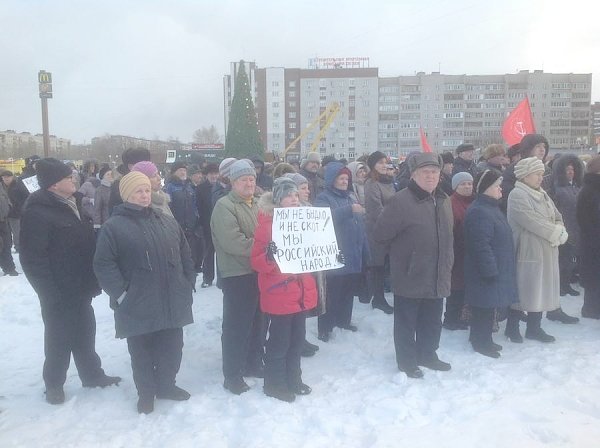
243 138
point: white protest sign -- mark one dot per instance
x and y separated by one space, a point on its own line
31 183
305 240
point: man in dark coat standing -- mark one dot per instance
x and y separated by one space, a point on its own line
309 168
588 218
463 161
57 249
417 226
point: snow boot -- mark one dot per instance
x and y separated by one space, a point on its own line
236 386
560 316
103 381
534 330
55 395
173 393
145 404
281 393
512 331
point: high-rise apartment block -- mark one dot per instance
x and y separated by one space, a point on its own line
388 113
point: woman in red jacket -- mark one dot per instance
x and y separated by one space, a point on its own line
284 297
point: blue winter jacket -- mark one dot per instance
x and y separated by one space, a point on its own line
490 269
349 226
183 203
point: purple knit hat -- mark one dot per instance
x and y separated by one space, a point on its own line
144 167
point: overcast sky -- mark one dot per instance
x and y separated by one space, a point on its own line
155 69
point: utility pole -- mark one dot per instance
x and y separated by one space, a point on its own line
45 81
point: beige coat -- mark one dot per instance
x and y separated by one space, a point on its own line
538 229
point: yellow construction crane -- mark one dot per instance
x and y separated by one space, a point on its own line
325 120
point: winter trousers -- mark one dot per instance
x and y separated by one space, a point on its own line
454 306
15 228
70 329
417 329
591 301
208 263
6 260
482 323
340 300
196 242
567 264
155 360
284 347
243 336
377 283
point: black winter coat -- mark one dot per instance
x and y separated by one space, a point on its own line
461 165
57 250
18 194
144 253
490 268
588 218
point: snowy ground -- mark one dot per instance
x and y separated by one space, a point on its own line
535 395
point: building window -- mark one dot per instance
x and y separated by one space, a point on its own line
292 93
292 125
275 104
292 84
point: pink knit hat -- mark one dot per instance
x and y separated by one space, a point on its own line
144 167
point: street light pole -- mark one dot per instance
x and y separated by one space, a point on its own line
45 87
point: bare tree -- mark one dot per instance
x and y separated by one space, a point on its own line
207 135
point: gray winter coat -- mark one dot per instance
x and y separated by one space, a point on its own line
378 193
144 262
537 226
101 211
417 227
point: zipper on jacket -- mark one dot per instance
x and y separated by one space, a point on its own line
148 258
437 231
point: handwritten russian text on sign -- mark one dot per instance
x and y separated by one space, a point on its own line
305 240
31 183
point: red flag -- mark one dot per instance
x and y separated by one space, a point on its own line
424 145
518 123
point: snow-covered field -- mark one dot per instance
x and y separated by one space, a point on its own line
534 395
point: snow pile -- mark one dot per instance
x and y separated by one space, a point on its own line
534 395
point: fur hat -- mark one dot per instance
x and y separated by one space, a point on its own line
50 171
132 156
530 141
461 177
6 173
241 168
593 165
513 151
282 187
177 165
225 165
193 169
147 168
130 182
211 168
464 147
283 168
105 169
311 157
421 159
492 151
298 178
527 166
375 157
486 179
447 157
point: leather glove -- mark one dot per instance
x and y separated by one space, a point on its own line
271 251
341 258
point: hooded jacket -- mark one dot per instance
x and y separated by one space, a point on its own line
357 187
565 193
279 293
144 254
349 226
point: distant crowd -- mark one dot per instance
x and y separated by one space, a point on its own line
500 238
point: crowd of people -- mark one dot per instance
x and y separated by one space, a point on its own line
500 238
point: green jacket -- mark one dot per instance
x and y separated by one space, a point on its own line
232 225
